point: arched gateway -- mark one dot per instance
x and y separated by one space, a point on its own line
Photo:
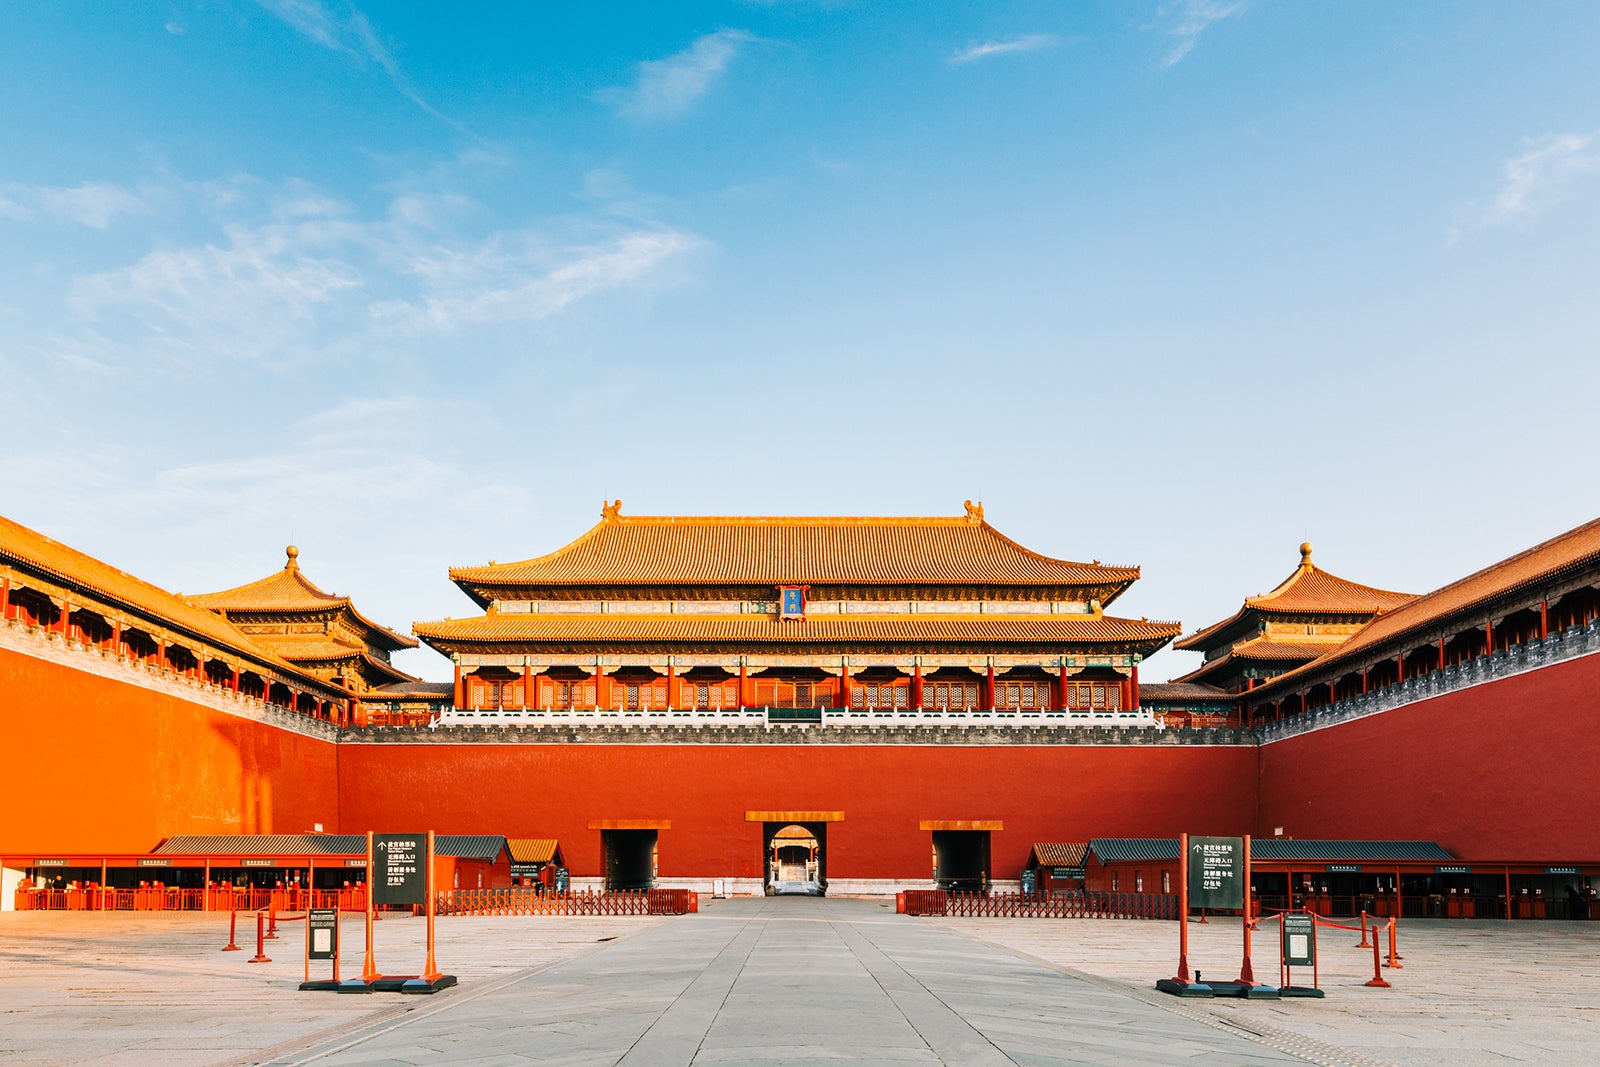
794 858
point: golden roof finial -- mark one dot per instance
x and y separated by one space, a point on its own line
1305 553
609 510
974 511
294 554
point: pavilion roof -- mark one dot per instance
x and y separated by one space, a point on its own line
769 551
621 629
69 567
534 849
1572 552
1059 853
1181 691
290 592
1261 650
1310 590
318 649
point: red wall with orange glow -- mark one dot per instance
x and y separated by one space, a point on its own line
1501 771
91 763
1043 793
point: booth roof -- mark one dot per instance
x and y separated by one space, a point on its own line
457 846
1136 849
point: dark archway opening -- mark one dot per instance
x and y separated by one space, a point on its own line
961 860
630 857
794 858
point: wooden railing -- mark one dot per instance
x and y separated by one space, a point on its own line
1072 904
533 900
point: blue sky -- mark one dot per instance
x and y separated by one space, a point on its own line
1174 284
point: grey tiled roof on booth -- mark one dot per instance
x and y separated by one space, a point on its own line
470 846
1273 848
265 845
1128 849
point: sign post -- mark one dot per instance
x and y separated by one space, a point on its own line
1297 947
1179 985
322 943
1213 873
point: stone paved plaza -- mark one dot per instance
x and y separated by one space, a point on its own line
786 981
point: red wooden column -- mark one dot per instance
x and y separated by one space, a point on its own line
66 614
1488 638
744 678
5 598
988 687
455 699
1133 689
527 685
916 685
844 684
1400 668
116 637
1544 619
1441 653
1364 679
233 683
672 685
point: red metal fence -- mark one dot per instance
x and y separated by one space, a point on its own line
167 898
1076 904
531 900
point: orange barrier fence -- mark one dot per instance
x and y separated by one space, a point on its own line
530 900
1076 904
166 898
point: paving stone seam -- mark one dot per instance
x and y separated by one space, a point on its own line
914 980
1309 1049
743 957
403 1015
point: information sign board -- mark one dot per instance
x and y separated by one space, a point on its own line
324 926
1299 940
1216 872
399 876
1452 868
1561 870
1344 868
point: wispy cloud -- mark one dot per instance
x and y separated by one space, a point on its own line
298 274
93 204
1548 165
665 88
1186 20
350 33
1030 42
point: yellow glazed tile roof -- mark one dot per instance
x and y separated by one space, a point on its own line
532 849
664 550
1060 853
1570 552
71 568
288 592
1310 590
620 629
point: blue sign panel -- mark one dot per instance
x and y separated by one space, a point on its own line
793 602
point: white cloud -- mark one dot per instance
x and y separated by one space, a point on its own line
664 88
93 204
1548 165
1031 42
351 34
1186 20
295 275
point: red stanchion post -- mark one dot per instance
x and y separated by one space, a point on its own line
1183 910
233 926
1377 968
1394 957
261 940
1364 929
1247 974
272 921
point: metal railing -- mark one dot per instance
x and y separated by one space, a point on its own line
171 898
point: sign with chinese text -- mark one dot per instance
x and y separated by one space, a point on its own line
1344 868
1561 870
1452 868
792 602
1299 940
1216 872
252 861
324 926
400 874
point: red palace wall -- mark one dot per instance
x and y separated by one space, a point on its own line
92 763
1044 793
1501 771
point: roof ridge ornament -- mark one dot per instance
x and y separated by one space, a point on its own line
1305 554
293 554
974 511
610 510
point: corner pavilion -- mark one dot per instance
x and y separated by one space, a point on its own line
878 615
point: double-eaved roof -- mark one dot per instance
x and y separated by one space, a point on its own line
665 551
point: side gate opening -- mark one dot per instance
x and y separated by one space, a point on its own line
630 857
961 860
